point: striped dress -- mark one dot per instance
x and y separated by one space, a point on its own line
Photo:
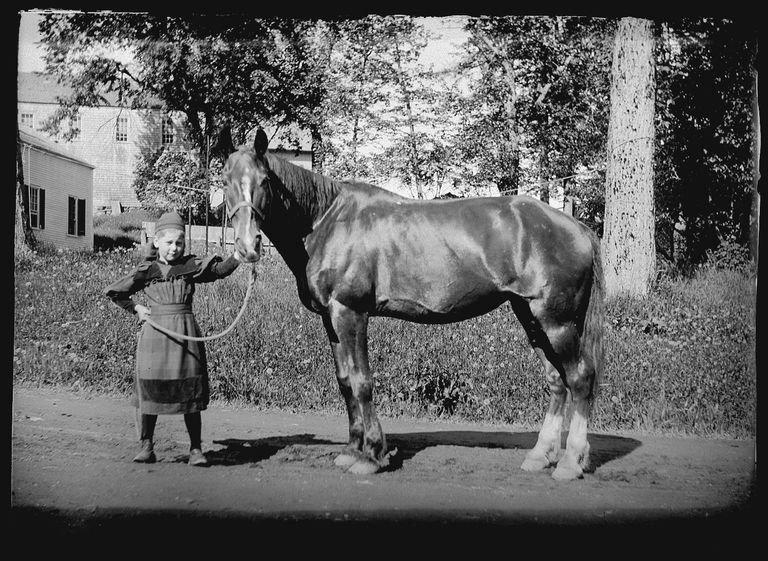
171 374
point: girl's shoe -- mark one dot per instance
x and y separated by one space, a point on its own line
147 454
196 457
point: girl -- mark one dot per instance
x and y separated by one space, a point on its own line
171 373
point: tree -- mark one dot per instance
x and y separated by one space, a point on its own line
705 136
628 243
24 238
213 69
564 109
494 43
356 86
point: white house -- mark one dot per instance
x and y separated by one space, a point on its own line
112 137
60 187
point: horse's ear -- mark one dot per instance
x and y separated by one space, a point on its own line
223 145
260 142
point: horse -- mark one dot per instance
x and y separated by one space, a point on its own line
360 251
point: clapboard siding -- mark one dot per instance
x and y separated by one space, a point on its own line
60 178
114 161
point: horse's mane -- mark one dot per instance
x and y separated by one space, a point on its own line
313 192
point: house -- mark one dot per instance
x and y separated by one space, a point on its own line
113 137
60 187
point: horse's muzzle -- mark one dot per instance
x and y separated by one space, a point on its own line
248 253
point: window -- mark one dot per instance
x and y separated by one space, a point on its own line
76 217
121 129
167 131
37 207
28 119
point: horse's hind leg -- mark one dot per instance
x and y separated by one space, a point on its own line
575 461
557 345
348 333
547 448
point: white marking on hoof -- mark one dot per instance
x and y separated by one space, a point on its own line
344 460
364 467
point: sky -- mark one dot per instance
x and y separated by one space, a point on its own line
440 52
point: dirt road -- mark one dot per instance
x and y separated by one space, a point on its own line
272 474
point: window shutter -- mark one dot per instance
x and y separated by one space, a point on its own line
41 209
80 217
71 216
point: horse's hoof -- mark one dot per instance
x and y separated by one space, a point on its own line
536 463
364 467
567 473
345 460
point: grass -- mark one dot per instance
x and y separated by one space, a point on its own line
678 361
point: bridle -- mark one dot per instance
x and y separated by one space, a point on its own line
245 204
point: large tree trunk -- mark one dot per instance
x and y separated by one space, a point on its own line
24 238
754 215
629 251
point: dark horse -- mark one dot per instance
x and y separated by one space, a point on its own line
359 251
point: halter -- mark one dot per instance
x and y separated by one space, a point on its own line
243 204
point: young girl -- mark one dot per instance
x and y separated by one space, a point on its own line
171 373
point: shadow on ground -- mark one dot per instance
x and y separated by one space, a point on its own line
404 446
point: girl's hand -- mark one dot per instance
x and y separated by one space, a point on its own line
143 312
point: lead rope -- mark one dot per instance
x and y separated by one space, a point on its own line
251 282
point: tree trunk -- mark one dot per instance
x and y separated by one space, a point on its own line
754 217
24 238
318 149
629 251
414 155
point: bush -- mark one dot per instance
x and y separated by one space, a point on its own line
730 256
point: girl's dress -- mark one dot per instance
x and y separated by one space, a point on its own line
171 373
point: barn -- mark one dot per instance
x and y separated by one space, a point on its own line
60 188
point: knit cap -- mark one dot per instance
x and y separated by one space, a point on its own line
169 221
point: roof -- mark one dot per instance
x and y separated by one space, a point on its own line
47 145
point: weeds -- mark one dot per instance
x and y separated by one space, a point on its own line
680 360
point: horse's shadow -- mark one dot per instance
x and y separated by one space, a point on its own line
237 451
404 446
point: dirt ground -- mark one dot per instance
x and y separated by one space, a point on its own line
271 477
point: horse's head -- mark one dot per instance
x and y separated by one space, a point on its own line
247 194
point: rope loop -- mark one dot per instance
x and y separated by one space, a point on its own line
251 283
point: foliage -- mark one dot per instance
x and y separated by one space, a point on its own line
536 107
211 68
704 174
527 105
680 360
355 87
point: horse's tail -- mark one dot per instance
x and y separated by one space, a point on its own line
592 335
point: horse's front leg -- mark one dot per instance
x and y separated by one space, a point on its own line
348 334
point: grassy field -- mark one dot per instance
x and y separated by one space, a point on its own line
679 361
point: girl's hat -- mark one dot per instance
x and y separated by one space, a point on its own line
169 221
